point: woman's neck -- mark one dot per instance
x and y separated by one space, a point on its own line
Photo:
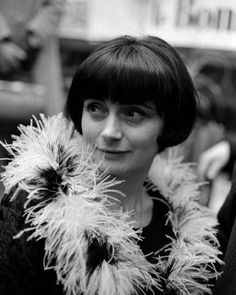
135 199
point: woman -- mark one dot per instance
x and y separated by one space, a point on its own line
103 214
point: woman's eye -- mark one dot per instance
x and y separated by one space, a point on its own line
93 108
96 110
134 116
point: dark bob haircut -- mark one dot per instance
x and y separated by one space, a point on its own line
130 70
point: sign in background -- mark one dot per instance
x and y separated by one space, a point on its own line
195 23
184 23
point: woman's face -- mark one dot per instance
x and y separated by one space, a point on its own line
124 136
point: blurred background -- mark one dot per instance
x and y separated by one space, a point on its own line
43 42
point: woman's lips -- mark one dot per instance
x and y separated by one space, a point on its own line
110 151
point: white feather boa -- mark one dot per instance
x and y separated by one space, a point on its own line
53 164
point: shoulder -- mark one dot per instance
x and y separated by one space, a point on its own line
16 255
11 213
11 223
227 281
21 261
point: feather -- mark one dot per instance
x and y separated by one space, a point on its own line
194 251
67 206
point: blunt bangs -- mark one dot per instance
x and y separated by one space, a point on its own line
131 75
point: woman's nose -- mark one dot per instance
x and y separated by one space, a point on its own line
112 128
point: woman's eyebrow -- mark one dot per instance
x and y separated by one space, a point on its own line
146 105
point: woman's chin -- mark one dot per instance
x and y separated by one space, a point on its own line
111 164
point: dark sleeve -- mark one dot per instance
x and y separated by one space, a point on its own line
227 281
21 261
227 213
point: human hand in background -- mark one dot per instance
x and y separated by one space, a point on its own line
11 56
211 161
34 40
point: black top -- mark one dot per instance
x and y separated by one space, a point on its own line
21 262
155 234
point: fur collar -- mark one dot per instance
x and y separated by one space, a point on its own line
93 250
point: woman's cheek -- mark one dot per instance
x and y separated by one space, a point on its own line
90 132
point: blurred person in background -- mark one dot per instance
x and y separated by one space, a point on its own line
215 163
208 145
29 49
